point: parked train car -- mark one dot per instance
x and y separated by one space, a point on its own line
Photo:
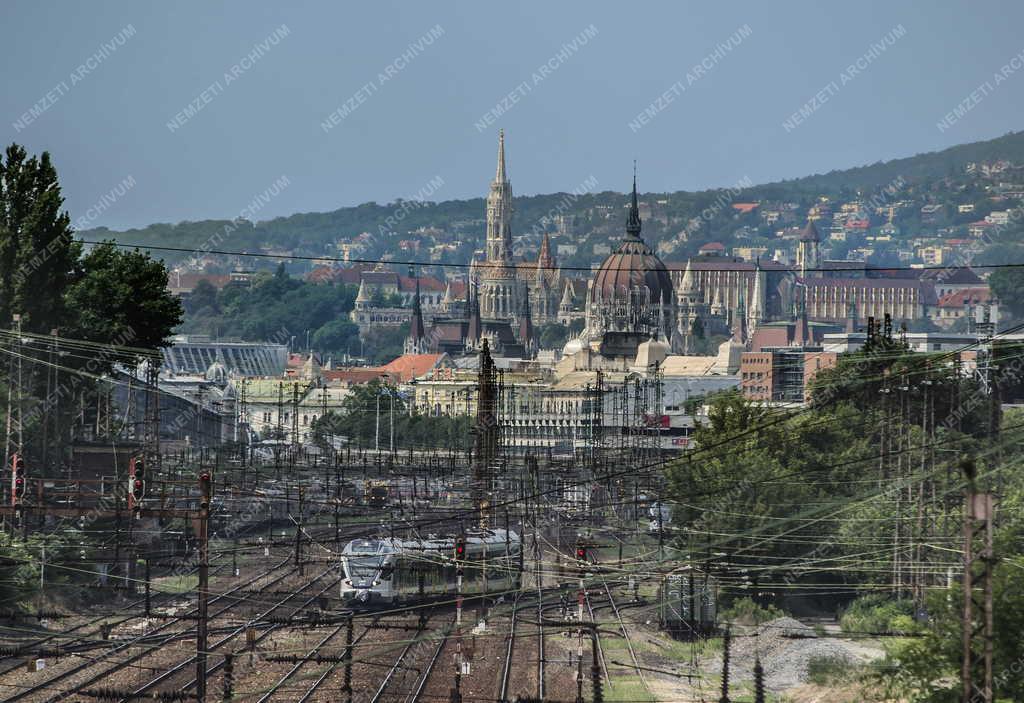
660 518
688 605
391 571
377 494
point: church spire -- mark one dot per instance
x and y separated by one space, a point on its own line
739 319
686 287
417 330
633 225
526 329
500 175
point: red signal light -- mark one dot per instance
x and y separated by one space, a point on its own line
18 476
581 553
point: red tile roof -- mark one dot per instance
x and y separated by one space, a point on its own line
713 246
410 366
960 298
427 284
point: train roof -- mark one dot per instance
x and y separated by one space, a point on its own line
446 543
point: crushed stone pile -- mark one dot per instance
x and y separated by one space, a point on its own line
786 647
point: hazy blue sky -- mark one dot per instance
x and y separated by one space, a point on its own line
110 121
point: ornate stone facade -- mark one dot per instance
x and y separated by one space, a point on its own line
502 293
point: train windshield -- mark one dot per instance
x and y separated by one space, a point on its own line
363 567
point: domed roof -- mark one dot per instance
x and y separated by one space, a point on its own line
573 346
217 372
634 265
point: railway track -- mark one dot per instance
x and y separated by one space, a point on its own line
421 684
623 629
321 680
127 645
85 641
506 669
169 674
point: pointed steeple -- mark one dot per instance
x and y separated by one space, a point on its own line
756 313
810 232
566 302
686 286
500 177
417 331
544 259
526 329
739 320
633 225
475 327
718 306
363 296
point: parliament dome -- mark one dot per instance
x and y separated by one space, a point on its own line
634 266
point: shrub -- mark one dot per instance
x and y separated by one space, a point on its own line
744 611
881 614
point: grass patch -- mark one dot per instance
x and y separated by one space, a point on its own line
627 688
176 584
828 670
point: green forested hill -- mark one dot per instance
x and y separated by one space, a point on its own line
935 176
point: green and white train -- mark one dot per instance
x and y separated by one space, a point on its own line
393 571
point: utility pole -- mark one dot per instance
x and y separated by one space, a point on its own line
597 692
202 534
979 562
376 426
726 640
280 428
295 427
486 438
12 438
298 533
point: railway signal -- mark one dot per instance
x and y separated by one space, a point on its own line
136 482
460 554
205 490
581 558
17 480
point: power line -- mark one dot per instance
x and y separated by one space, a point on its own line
484 264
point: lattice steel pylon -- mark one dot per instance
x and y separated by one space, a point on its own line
151 418
486 433
979 562
13 431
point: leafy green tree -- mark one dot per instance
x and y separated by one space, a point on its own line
122 295
553 335
203 297
357 420
382 344
337 336
37 252
1008 285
